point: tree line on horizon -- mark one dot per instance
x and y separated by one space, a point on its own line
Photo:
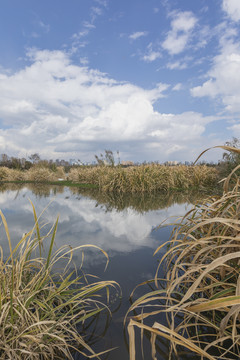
228 161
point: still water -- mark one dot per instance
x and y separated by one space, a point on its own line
125 227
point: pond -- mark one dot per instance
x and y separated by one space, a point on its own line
125 227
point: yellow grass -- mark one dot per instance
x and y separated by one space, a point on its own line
135 179
200 296
41 308
145 178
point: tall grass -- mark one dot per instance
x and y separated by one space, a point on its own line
42 309
145 178
135 179
197 305
36 174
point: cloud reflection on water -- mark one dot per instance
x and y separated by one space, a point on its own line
81 221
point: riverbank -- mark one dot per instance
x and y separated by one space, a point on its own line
135 179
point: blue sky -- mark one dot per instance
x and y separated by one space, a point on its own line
154 79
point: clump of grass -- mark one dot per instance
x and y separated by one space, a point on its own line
42 309
7 174
199 300
40 174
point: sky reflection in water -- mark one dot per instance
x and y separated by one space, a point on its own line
127 235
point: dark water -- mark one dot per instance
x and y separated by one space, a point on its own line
125 227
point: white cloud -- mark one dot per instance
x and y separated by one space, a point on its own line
235 129
177 65
44 26
84 61
95 12
223 78
136 35
102 2
151 54
177 87
180 34
232 8
59 110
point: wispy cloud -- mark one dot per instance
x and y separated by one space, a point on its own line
136 35
177 87
40 29
177 65
45 27
102 2
95 12
181 64
87 26
151 54
180 34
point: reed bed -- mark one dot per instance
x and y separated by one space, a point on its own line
42 310
43 174
38 174
134 179
7 174
145 178
197 305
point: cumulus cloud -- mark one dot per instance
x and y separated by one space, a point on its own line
232 8
223 78
180 34
60 109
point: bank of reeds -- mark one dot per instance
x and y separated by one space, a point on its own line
145 178
36 174
42 309
134 179
197 305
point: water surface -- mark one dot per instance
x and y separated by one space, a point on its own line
125 227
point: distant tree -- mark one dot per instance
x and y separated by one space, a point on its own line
27 165
232 157
35 158
15 163
4 160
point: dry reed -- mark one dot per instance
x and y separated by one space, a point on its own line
135 179
41 309
199 299
145 178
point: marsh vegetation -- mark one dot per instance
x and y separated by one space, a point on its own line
194 306
150 178
197 304
45 299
